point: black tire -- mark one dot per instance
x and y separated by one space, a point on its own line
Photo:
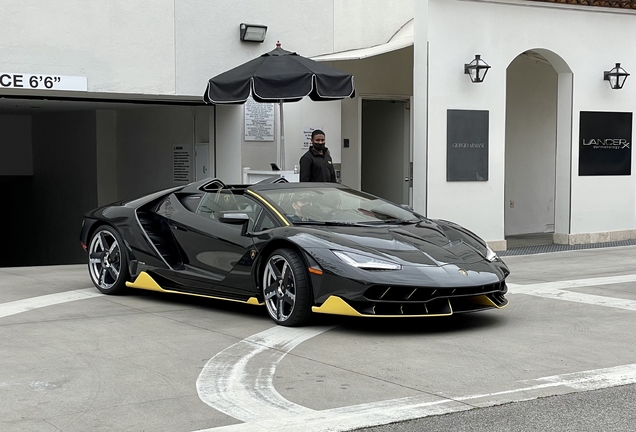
286 288
107 261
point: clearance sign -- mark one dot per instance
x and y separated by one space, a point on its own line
29 81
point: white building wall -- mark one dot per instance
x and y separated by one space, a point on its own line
365 23
168 47
420 108
207 31
120 46
499 32
207 34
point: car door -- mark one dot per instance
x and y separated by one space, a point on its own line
212 250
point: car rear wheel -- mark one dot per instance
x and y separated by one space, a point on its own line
108 261
286 288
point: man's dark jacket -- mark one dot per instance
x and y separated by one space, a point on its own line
316 167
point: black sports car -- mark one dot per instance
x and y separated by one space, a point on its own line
297 248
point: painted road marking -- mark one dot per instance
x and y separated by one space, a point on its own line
19 306
396 410
239 380
236 383
558 291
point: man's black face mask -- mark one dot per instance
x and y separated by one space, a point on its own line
319 147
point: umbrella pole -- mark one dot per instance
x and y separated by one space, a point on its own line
282 137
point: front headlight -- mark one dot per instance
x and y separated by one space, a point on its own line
366 262
490 254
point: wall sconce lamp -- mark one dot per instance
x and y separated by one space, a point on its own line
616 77
252 32
476 69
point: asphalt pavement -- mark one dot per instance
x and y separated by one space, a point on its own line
560 357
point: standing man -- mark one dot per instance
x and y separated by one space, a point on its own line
316 165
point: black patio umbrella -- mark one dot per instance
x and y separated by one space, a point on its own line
279 76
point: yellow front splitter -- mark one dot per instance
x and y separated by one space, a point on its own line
334 305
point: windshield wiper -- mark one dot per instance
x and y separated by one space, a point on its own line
387 218
326 223
394 221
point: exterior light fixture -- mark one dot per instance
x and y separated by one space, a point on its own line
616 77
476 69
252 32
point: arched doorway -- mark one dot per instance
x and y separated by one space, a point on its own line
538 149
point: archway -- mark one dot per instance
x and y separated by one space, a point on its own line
538 149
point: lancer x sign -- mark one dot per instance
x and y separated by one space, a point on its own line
605 143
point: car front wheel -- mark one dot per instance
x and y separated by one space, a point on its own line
108 261
286 288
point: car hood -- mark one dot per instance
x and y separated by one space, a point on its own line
424 243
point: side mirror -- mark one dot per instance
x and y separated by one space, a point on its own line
235 218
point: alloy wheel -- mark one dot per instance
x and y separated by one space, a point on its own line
104 259
280 288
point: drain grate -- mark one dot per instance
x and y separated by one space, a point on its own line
530 250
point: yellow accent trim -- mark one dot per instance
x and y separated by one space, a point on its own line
334 305
271 207
254 301
484 300
315 271
146 282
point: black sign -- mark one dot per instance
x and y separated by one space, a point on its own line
605 143
467 145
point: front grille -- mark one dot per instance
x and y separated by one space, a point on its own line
402 294
435 307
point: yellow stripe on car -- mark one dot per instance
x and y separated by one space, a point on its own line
271 207
146 282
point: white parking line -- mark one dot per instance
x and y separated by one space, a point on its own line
557 290
19 306
379 413
238 381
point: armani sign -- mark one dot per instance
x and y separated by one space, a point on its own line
467 145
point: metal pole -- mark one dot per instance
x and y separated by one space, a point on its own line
282 137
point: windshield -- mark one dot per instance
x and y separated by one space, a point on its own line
333 205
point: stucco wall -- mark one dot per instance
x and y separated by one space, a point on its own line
121 46
365 23
500 32
168 47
